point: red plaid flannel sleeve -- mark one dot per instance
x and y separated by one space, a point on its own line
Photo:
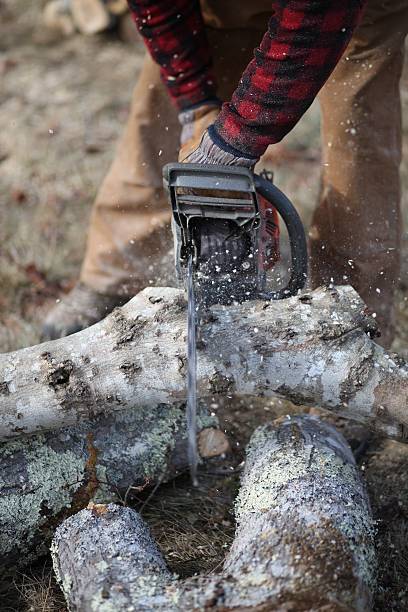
174 33
304 42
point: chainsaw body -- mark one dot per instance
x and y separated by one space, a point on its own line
231 264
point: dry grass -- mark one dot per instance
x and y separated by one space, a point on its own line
60 118
39 593
193 527
34 591
385 470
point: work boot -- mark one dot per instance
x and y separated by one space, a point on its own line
79 309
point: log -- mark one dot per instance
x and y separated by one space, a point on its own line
117 7
313 349
57 17
46 477
303 541
90 16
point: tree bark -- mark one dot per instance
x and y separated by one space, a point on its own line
46 477
304 538
313 349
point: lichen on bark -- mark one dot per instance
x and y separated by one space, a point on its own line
46 477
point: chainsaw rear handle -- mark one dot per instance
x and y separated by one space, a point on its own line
296 233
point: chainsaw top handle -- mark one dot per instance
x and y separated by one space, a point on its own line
205 190
296 234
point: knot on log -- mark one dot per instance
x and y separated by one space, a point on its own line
57 372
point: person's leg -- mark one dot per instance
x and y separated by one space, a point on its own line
355 232
129 225
130 214
129 222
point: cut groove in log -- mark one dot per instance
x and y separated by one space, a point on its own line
304 538
46 477
311 349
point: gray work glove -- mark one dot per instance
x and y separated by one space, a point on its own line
197 139
208 152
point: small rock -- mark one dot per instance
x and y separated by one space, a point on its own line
212 443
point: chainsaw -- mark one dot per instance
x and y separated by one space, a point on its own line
225 225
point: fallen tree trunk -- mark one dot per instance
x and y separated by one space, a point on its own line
46 477
304 538
311 349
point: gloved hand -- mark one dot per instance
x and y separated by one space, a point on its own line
194 123
221 248
197 144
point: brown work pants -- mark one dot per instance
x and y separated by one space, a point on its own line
355 233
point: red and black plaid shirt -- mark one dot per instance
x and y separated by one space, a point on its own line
304 42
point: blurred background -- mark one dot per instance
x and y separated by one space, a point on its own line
67 70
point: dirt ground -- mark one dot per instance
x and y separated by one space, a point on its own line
62 105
